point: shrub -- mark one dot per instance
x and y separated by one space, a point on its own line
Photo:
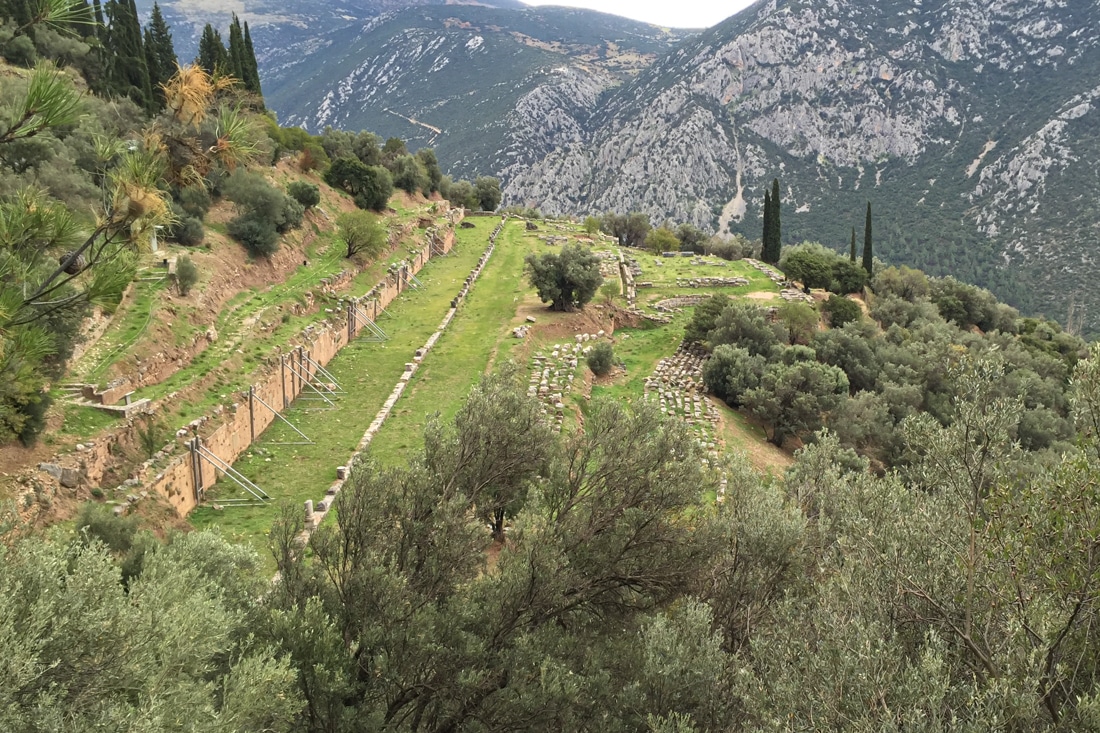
600 358
98 522
187 274
304 193
841 310
185 230
264 211
291 216
195 201
258 237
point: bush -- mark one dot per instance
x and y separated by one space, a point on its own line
600 358
291 216
259 237
304 193
264 211
195 201
98 522
370 185
186 230
841 310
187 274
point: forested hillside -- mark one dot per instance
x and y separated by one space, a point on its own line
636 478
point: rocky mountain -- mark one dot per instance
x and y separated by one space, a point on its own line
280 24
971 126
493 90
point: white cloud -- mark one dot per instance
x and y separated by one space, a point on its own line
672 13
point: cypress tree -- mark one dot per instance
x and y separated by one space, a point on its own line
127 70
252 80
776 238
852 250
868 256
765 237
19 11
236 51
98 9
212 57
160 55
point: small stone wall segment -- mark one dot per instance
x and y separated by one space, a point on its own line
315 512
281 386
552 375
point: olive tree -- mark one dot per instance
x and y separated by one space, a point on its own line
566 280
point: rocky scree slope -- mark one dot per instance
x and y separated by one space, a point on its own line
971 125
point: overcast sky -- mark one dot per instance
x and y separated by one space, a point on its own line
673 13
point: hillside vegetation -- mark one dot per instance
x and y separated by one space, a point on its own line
571 475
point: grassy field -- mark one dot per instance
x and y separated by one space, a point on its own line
664 272
368 372
480 333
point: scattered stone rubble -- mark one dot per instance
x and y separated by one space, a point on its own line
677 385
712 282
673 305
552 375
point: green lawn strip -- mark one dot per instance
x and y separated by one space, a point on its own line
639 349
82 421
480 329
368 372
123 332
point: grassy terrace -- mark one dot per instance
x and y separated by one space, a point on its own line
479 334
664 272
368 372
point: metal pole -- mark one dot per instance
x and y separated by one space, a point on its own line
251 414
282 376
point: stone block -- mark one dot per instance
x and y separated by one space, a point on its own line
71 477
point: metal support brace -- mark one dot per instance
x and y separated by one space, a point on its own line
327 375
377 334
415 281
308 381
288 422
235 475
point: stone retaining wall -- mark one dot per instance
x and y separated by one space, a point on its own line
284 380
